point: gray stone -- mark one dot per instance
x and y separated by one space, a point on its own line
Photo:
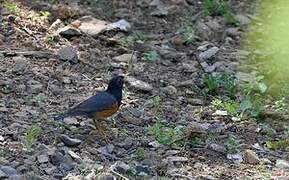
204 30
3 174
243 19
42 158
125 58
69 31
122 25
170 90
121 167
251 157
20 64
209 53
127 143
282 164
236 158
218 148
176 159
10 171
233 32
70 142
138 84
91 26
68 53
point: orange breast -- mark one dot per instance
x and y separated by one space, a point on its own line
107 111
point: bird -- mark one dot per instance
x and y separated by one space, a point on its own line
99 106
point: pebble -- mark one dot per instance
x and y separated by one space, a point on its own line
69 32
70 142
20 64
170 90
218 148
127 143
3 175
42 158
121 167
125 58
68 53
10 171
236 158
282 164
251 157
176 159
138 84
209 53
143 170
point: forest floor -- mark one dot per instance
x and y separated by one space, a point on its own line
185 118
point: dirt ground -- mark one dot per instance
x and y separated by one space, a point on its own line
36 84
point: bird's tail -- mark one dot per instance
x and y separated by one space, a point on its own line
60 117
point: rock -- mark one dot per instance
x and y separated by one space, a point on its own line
70 142
20 64
66 166
16 177
69 32
196 102
8 170
75 156
189 67
68 53
218 148
121 167
155 3
138 84
187 83
142 170
251 157
170 90
3 175
176 159
71 121
135 112
214 24
236 158
127 143
58 157
233 32
220 113
209 53
2 38
106 176
204 30
160 12
243 19
1 137
91 26
36 88
122 25
42 158
107 151
125 58
155 144
282 164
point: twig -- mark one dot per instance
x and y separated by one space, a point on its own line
38 54
118 174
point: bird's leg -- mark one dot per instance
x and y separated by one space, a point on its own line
100 130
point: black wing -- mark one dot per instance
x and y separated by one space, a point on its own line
94 104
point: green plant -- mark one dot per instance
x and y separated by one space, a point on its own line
187 34
164 134
125 41
230 106
140 35
277 145
266 129
30 137
156 101
45 14
39 98
219 7
12 7
232 144
140 153
49 38
150 56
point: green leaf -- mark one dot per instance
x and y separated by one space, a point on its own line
245 104
262 87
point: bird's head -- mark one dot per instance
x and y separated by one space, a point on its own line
116 82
